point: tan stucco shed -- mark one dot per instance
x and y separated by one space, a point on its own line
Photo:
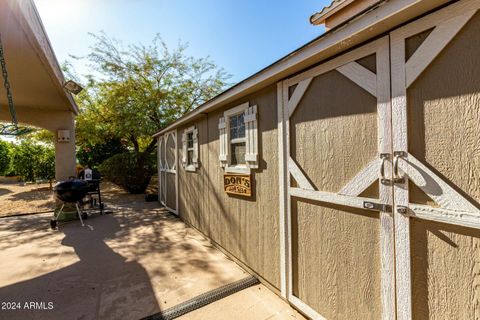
358 184
36 80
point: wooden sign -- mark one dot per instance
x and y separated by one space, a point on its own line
239 184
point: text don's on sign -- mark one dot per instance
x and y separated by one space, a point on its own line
239 184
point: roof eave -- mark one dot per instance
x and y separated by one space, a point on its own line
31 21
364 22
320 17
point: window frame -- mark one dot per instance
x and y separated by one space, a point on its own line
191 167
238 168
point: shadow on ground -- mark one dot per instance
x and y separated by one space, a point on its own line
4 191
126 265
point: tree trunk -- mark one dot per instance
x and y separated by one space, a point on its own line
151 146
135 144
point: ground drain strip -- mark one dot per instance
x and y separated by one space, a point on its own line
203 299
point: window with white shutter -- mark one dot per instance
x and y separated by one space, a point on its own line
190 149
223 154
239 139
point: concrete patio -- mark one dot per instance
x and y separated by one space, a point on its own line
125 265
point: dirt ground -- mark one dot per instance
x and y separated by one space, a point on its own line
134 262
17 199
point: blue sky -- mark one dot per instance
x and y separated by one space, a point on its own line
240 36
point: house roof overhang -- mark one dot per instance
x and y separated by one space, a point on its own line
366 25
36 78
328 11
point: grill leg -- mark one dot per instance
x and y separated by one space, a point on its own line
79 214
53 222
59 212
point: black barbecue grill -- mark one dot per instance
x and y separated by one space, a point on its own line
74 191
71 191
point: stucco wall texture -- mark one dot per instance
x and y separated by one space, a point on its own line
248 228
336 265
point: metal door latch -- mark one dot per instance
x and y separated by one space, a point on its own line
377 206
383 180
396 176
402 210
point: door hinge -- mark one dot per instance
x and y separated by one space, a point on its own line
377 206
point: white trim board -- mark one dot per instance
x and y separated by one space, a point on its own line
447 23
322 196
298 175
365 178
297 95
363 77
348 57
282 170
287 182
164 169
456 217
379 86
433 45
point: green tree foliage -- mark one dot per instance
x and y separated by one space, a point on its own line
94 154
33 160
45 168
24 157
40 135
4 157
134 92
129 171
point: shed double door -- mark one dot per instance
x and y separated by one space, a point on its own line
167 152
382 176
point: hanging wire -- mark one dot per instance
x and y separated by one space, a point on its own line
9 129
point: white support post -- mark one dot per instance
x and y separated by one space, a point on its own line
165 139
282 172
287 184
177 209
384 120
159 168
400 143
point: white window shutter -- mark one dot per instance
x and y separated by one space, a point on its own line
251 133
223 154
184 149
195 148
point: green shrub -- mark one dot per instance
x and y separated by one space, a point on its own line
45 168
11 173
131 171
25 157
5 156
32 160
95 154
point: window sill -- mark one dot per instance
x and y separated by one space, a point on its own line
237 169
190 168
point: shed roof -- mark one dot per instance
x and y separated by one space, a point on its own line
359 28
335 6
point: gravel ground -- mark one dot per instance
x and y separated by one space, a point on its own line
37 198
18 199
